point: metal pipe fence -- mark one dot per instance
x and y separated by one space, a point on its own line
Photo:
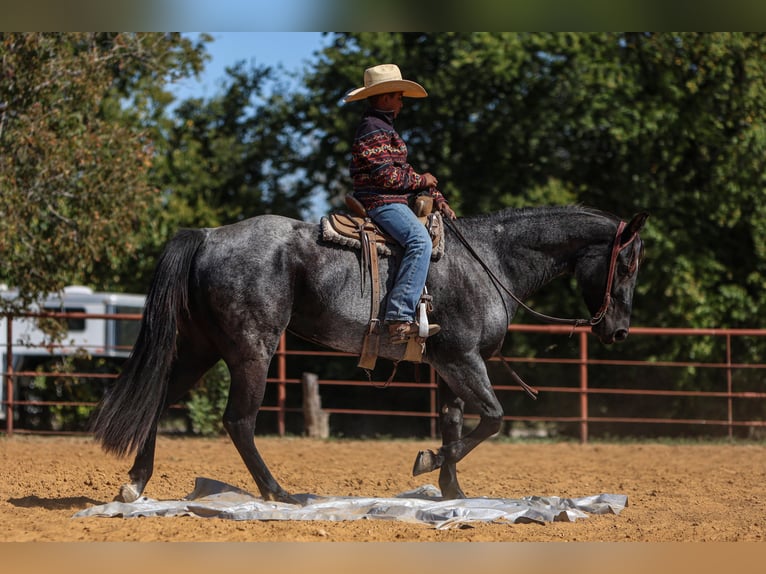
584 385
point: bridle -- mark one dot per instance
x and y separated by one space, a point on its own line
617 247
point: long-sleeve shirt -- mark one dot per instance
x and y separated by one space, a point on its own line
379 168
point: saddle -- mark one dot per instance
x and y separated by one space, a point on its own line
357 230
346 228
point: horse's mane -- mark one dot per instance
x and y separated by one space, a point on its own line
549 211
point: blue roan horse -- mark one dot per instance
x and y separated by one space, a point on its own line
229 293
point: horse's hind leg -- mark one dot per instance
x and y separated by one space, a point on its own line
188 368
141 471
248 383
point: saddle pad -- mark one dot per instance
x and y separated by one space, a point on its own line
343 229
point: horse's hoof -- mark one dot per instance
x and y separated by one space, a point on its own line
426 461
281 496
128 493
289 499
453 494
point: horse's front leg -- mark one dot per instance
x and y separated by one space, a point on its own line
447 457
478 395
451 423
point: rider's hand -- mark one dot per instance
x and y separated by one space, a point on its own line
429 180
446 210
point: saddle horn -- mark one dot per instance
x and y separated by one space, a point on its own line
355 206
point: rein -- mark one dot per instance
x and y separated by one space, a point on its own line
617 248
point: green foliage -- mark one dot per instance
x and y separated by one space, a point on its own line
62 379
222 160
669 123
97 172
75 202
664 122
208 401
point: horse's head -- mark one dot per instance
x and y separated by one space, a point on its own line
608 282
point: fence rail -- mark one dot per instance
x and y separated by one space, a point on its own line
582 360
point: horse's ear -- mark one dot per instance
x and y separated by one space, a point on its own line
635 225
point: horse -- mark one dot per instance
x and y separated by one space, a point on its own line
228 293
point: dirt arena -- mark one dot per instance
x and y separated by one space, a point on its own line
676 493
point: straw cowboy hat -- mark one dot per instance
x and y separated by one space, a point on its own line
384 79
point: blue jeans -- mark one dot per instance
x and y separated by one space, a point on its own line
398 221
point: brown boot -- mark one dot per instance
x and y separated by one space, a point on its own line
401 331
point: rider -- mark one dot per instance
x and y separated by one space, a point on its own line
383 182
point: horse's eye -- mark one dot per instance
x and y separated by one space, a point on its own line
626 270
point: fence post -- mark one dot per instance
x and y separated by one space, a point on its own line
281 388
433 399
583 387
315 421
8 382
730 413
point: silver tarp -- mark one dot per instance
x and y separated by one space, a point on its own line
214 499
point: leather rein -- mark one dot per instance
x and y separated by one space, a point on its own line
617 248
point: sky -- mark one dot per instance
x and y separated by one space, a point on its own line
288 49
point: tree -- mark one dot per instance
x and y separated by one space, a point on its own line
75 129
225 159
669 123
217 161
672 123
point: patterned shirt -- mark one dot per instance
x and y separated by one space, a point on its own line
379 168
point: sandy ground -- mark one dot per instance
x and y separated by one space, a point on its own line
676 493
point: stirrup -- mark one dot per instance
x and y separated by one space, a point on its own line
401 332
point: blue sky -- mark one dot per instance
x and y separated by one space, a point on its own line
289 49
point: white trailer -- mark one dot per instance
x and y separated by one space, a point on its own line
100 337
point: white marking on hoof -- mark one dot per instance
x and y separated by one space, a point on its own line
426 461
129 493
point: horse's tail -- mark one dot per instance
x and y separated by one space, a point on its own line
128 413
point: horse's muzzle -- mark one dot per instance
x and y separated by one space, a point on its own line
620 335
609 336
